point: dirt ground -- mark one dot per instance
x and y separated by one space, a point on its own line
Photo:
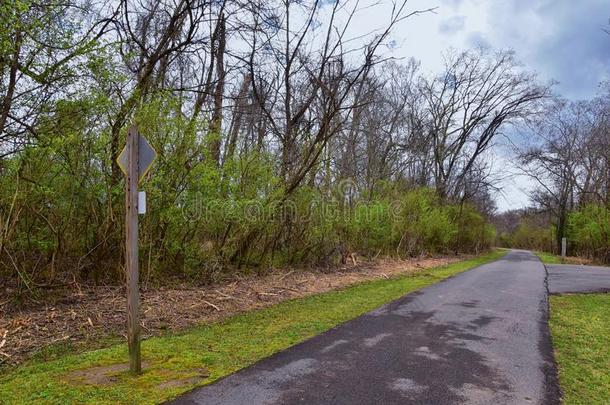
84 315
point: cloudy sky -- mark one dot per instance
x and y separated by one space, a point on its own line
562 40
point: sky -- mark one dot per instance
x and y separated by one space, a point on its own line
561 40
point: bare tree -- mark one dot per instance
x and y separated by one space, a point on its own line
477 95
560 163
311 88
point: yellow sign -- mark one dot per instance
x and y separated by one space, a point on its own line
146 156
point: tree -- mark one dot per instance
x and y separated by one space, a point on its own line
564 163
40 58
468 105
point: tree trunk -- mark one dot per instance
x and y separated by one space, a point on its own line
216 121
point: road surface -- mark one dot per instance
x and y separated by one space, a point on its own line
567 278
480 337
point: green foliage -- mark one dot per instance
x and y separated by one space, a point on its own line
54 197
369 228
415 222
63 209
529 235
423 224
589 232
474 232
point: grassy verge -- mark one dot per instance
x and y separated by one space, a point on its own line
580 330
221 348
549 258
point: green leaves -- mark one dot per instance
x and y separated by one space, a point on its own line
589 231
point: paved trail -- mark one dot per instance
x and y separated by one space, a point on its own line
480 337
569 278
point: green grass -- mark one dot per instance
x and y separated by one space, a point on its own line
222 348
580 326
548 258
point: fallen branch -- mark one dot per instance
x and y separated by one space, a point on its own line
285 275
208 303
212 305
3 342
228 296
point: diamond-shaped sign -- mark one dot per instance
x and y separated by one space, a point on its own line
146 156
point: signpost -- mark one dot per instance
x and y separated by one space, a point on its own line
135 161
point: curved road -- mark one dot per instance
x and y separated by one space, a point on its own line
480 337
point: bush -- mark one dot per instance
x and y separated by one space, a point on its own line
62 208
423 224
474 234
589 232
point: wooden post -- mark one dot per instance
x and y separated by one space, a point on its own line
131 251
564 246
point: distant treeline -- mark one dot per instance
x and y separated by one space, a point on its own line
569 159
587 233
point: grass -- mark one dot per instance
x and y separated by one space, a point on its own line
222 348
549 258
580 328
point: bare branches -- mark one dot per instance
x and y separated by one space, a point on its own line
477 95
570 161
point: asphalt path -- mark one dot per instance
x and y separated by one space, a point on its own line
566 278
479 337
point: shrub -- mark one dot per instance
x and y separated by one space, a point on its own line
589 232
